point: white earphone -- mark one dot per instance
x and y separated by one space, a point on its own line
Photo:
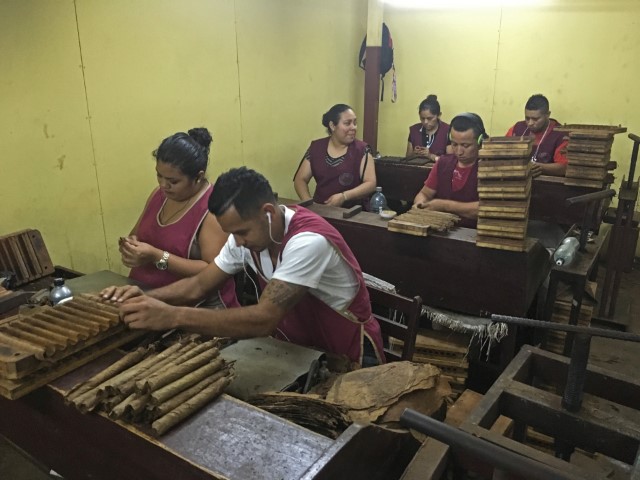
269 217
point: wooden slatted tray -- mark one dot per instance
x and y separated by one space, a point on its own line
25 254
29 343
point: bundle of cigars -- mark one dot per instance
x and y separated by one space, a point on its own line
419 221
157 389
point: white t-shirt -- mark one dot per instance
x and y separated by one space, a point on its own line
308 259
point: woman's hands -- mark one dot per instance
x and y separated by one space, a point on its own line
136 253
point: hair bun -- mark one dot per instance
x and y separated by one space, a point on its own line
431 97
201 136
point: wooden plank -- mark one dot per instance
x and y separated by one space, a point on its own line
509 244
589 173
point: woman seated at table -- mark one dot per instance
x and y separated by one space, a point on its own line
429 137
176 236
341 165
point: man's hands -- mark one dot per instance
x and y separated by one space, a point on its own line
120 294
138 310
147 313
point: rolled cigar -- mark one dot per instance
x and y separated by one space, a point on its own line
127 384
89 400
120 409
164 377
65 312
90 328
107 404
23 345
96 305
55 327
68 309
166 405
178 414
137 406
90 308
61 340
194 350
125 362
207 370
49 347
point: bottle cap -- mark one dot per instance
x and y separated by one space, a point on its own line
57 282
560 262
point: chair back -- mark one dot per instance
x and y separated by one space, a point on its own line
384 304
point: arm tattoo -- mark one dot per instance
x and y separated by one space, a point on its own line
282 294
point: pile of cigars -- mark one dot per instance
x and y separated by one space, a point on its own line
157 389
419 221
589 154
42 344
504 189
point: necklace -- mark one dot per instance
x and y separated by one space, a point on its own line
534 158
177 212
427 137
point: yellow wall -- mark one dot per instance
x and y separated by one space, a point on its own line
89 88
77 146
582 54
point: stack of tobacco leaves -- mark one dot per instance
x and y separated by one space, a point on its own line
309 411
504 189
157 389
589 154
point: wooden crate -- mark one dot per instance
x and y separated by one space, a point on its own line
25 254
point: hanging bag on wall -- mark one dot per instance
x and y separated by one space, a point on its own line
386 60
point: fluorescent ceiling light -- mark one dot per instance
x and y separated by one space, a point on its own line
466 4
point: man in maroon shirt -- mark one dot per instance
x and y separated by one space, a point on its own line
548 154
452 185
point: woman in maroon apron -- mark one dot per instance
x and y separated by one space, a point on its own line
341 165
429 137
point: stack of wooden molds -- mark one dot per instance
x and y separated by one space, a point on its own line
504 188
589 153
446 350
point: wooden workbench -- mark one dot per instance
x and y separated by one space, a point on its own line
402 181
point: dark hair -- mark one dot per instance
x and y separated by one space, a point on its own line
537 102
430 103
242 188
187 151
333 115
466 121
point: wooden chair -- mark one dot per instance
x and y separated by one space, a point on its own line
407 308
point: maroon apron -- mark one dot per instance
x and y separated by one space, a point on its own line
550 143
439 145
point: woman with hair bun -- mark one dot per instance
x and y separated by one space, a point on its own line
341 165
176 236
429 137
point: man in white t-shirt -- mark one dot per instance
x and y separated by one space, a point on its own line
313 290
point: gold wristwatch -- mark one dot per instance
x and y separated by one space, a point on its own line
163 263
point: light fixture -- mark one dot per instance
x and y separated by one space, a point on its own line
462 4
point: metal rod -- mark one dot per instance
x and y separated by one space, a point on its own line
484 450
634 159
590 197
597 332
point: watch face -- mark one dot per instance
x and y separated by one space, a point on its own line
162 264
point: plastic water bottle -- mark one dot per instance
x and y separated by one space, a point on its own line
60 293
378 201
566 252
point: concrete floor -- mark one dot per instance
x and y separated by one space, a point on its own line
623 357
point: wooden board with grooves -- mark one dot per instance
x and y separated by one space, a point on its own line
34 346
25 254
